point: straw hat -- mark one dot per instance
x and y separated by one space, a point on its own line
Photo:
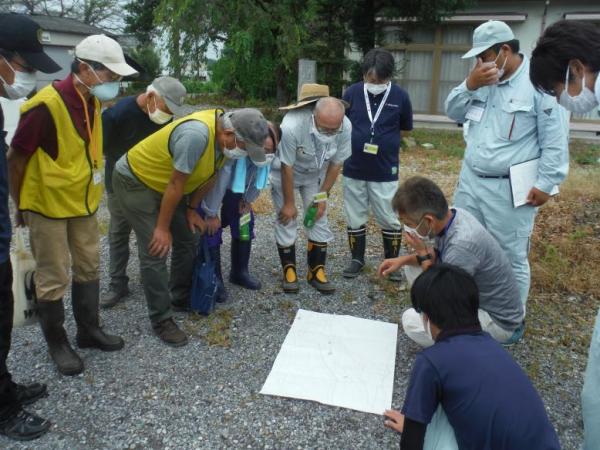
309 93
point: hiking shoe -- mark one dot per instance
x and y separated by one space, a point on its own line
169 333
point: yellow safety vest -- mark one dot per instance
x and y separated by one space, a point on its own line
152 163
65 187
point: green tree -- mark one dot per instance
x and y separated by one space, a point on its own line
139 19
147 57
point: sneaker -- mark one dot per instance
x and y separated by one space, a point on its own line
516 336
30 393
170 333
24 426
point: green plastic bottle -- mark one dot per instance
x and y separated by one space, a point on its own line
245 227
311 213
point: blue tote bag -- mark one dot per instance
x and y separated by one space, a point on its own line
204 280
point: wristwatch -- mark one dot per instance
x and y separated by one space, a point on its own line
422 258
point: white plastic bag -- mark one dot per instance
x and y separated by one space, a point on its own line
23 266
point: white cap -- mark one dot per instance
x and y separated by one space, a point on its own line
100 48
487 35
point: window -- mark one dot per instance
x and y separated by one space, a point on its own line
429 65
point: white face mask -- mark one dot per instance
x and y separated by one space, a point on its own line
158 116
414 231
267 162
322 138
236 152
376 89
583 102
22 85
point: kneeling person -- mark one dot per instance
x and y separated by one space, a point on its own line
465 391
459 239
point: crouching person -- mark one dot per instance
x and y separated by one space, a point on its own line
440 234
238 184
465 391
159 184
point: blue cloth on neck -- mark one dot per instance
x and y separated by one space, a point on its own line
239 176
262 175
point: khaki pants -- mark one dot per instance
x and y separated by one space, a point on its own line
59 245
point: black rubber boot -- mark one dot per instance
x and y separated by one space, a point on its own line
215 254
85 298
316 257
391 249
287 255
357 239
52 318
240 258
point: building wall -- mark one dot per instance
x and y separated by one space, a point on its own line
430 64
60 48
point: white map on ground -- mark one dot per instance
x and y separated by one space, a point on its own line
336 360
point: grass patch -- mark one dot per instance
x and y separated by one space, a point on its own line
215 328
585 154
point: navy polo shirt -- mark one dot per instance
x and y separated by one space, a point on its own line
488 399
123 126
396 116
5 228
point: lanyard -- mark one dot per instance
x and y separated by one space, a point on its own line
444 232
92 145
321 161
249 185
381 105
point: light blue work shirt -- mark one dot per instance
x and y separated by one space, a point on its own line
212 202
509 123
300 149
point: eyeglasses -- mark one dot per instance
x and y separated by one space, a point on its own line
327 131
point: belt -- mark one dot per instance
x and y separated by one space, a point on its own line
498 177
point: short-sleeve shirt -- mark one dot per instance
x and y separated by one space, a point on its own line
396 116
300 149
187 144
488 399
123 126
468 245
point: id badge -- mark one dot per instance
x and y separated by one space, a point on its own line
474 113
245 219
372 149
97 177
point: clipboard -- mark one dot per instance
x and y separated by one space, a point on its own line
522 177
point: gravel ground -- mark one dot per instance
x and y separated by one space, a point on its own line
205 395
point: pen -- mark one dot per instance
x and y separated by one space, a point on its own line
512 126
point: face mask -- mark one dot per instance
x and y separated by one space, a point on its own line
158 116
23 84
414 231
322 138
376 89
581 103
267 162
236 152
105 91
501 69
